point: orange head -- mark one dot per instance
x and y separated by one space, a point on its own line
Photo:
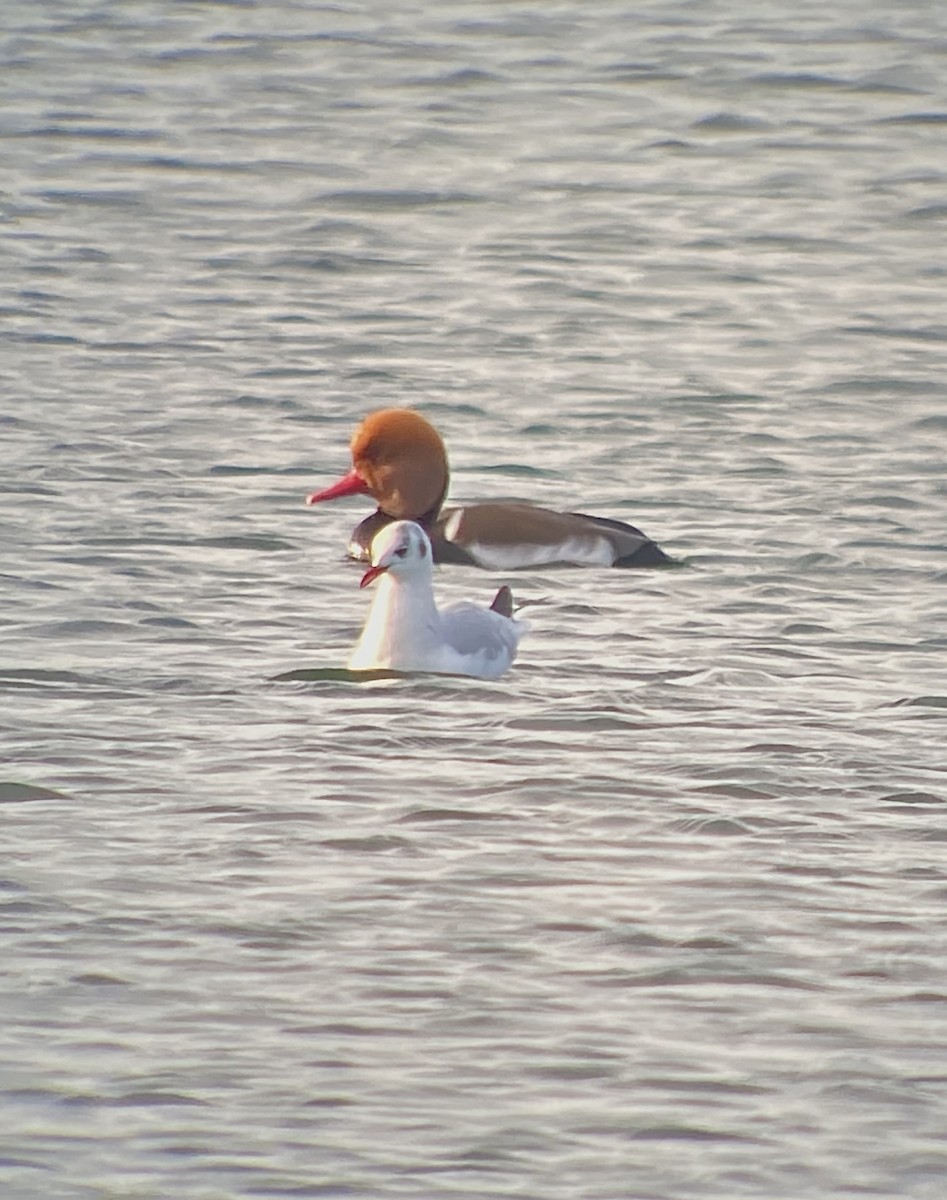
399 459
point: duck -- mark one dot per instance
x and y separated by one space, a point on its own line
405 630
399 459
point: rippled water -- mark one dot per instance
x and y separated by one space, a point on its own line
661 913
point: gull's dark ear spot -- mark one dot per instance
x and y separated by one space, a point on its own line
422 548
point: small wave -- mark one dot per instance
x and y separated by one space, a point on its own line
383 200
799 79
921 118
726 122
21 793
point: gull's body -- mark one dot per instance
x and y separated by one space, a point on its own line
405 630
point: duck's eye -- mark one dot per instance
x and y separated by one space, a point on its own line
401 552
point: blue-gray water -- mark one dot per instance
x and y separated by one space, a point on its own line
660 915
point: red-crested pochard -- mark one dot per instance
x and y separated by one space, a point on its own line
399 460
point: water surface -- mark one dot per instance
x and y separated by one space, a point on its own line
661 913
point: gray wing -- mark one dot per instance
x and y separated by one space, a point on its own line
472 630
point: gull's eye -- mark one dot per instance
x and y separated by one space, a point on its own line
401 552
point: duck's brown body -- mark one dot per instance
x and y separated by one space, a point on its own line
398 458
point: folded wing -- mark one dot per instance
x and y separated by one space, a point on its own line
470 630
